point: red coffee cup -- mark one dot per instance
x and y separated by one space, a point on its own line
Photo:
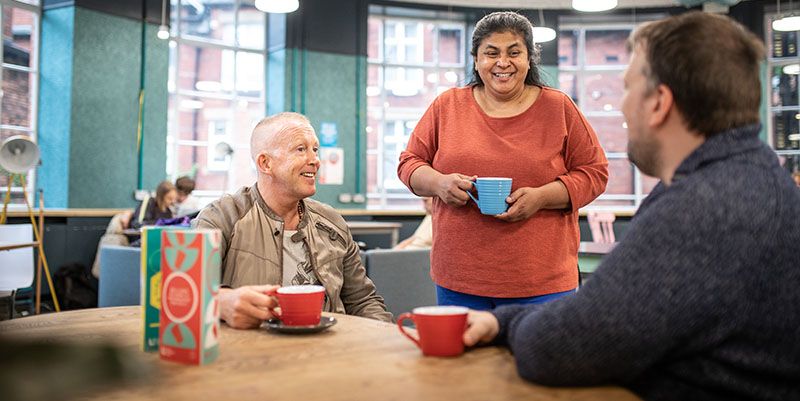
301 305
440 329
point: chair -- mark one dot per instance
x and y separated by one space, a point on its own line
602 226
402 278
120 270
16 265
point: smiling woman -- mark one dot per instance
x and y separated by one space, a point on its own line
505 123
502 64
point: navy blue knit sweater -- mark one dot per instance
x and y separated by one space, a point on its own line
700 301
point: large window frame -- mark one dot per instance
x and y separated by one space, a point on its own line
581 71
223 132
388 192
31 6
783 66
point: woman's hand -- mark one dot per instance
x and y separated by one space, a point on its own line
524 203
452 188
482 327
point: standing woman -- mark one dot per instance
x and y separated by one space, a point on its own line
505 123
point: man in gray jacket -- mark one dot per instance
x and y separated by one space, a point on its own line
700 300
273 235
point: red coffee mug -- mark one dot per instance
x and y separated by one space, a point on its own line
440 329
301 305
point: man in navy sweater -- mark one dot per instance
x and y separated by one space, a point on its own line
701 300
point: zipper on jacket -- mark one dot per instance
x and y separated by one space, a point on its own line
332 234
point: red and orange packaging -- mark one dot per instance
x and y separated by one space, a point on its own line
189 323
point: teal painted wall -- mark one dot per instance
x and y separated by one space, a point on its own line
325 88
361 120
98 125
105 110
330 96
156 75
276 81
277 65
550 75
55 98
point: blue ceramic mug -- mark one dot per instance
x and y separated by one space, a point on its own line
492 194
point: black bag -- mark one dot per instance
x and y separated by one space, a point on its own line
76 287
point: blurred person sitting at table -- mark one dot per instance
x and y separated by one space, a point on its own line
113 236
186 204
423 235
273 234
150 210
700 300
796 178
505 123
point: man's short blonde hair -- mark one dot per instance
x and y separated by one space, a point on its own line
269 129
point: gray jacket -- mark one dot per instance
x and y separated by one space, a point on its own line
699 301
252 250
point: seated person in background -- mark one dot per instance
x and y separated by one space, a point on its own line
423 236
186 203
700 300
796 177
113 236
273 235
150 210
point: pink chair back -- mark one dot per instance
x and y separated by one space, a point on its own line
602 226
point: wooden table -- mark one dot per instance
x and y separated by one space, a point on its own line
7 246
356 228
376 227
357 359
63 212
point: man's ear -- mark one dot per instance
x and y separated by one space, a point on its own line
664 103
263 163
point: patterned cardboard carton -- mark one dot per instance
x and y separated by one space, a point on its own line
189 327
150 286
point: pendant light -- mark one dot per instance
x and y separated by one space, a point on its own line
791 69
277 6
787 23
163 29
593 5
542 33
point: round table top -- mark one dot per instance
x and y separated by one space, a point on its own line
356 359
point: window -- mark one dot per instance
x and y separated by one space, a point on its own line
216 92
19 72
591 61
783 105
413 56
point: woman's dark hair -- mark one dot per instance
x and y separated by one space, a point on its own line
161 192
506 21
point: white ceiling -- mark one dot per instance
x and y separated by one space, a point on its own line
536 4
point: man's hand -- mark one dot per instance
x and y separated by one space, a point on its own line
482 328
452 188
247 307
524 202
